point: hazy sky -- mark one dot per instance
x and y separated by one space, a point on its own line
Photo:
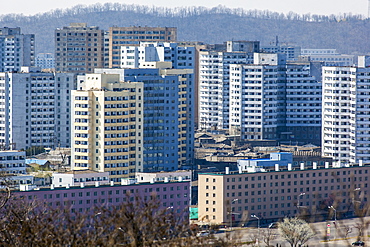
327 7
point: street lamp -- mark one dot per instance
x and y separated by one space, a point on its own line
231 216
258 225
354 198
335 220
258 221
302 194
231 212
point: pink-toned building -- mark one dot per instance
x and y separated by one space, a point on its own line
175 195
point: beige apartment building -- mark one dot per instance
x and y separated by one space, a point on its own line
278 193
129 36
107 132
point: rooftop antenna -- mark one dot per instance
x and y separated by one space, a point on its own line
277 39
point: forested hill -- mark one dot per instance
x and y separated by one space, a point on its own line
348 33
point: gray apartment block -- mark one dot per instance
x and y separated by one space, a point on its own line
16 49
35 109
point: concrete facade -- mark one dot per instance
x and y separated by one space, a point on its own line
272 195
118 37
12 162
345 115
107 130
174 195
34 109
79 48
168 115
16 49
273 100
45 61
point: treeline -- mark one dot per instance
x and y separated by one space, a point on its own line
180 12
136 223
347 33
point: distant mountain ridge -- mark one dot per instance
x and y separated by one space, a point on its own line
347 33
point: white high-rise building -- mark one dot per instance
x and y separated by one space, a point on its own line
16 49
265 99
35 109
213 88
257 97
346 111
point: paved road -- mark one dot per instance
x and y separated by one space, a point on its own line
337 234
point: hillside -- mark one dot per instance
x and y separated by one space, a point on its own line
347 33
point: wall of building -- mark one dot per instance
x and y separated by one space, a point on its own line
275 194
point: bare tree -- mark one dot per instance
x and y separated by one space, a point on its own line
295 231
268 235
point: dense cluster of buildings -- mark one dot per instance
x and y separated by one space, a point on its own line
129 100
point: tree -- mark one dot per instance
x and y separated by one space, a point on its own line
136 222
268 235
296 231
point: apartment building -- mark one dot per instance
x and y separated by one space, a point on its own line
45 61
107 126
303 92
168 123
181 56
330 57
292 52
345 114
79 48
280 192
16 49
213 87
83 198
257 97
12 162
272 99
35 109
118 37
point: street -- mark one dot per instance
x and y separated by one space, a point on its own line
343 235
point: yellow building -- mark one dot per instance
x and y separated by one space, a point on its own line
107 126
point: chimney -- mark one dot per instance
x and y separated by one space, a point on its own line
227 170
326 165
111 183
180 179
289 166
97 184
360 162
82 185
276 167
166 179
302 166
240 169
314 165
